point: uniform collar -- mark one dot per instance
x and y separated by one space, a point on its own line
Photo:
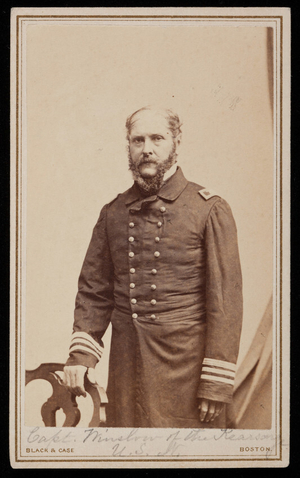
170 190
173 187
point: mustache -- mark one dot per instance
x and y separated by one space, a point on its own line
145 160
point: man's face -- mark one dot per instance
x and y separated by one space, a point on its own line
151 145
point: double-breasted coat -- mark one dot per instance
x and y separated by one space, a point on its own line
165 272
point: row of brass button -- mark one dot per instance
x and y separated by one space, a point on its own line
152 316
154 271
132 286
131 224
134 301
131 254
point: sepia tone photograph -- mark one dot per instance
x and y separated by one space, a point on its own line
150 208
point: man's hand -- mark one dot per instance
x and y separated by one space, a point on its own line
209 409
74 379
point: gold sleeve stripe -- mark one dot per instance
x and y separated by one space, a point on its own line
219 371
89 338
85 347
219 363
82 348
216 379
87 343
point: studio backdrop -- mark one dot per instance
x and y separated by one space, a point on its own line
82 81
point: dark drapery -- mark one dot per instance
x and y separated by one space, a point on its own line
252 399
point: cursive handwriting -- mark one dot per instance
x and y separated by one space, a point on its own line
131 435
59 437
157 442
224 97
226 434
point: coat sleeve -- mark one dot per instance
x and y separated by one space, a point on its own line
224 305
94 300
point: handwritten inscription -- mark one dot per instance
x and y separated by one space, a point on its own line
225 98
35 436
138 442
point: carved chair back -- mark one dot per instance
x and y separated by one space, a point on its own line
62 398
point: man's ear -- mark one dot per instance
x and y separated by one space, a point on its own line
178 140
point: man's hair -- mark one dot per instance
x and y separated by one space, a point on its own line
171 117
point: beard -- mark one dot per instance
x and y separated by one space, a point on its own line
150 186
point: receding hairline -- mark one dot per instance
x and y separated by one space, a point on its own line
167 113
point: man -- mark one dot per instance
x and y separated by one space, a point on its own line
162 267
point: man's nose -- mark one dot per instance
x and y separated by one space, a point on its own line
148 146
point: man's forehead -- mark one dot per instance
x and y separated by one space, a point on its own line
149 121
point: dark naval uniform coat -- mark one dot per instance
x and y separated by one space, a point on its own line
165 271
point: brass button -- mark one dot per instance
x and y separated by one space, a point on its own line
132 285
153 316
131 254
133 301
153 287
162 209
131 239
156 254
153 302
131 224
157 239
134 316
132 270
154 271
159 224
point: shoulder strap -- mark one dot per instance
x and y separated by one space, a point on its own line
207 193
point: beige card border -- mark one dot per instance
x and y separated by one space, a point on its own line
281 19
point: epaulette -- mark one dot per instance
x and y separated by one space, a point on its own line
207 193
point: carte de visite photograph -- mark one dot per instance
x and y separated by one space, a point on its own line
150 163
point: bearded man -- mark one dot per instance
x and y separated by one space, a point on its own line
163 268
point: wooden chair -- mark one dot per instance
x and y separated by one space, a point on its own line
64 399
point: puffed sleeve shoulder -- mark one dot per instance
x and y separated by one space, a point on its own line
224 304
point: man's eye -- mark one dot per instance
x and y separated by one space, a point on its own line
137 140
157 138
